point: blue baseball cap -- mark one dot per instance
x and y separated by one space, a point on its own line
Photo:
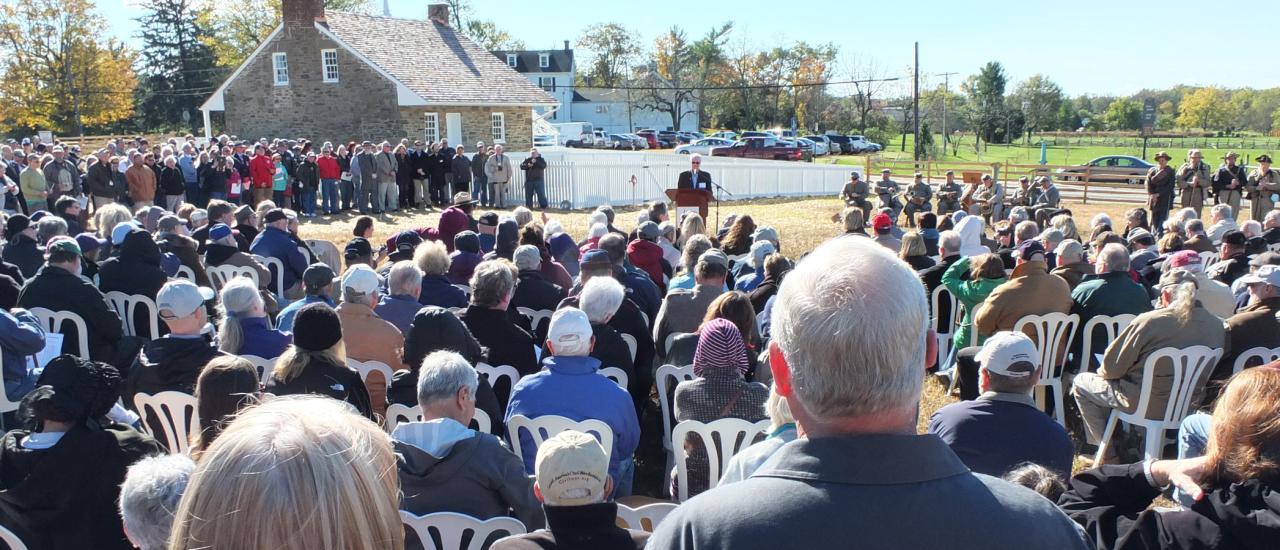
219 231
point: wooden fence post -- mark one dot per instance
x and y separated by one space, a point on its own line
1085 198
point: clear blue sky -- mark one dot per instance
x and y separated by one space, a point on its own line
1086 46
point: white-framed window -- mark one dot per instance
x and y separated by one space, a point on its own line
498 122
329 65
512 60
280 68
602 109
547 83
544 60
431 126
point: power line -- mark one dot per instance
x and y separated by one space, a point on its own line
742 87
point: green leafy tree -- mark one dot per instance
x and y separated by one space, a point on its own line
1205 108
1123 114
179 68
986 100
612 48
237 27
1042 98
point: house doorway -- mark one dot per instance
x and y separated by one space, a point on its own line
453 128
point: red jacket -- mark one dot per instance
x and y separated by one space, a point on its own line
261 169
329 169
647 256
452 221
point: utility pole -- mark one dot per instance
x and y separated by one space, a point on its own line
946 97
916 103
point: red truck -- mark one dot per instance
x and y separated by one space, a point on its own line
759 148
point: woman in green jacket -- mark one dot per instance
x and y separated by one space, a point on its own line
34 187
986 274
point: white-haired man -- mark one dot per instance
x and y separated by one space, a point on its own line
1197 238
694 177
860 408
533 290
568 386
1221 220
400 304
369 337
149 498
600 299
445 466
574 486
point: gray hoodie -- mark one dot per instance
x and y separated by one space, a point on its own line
447 467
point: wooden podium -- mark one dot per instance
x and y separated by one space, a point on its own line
691 198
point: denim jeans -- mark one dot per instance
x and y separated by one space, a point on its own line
308 201
480 190
1193 438
15 390
626 473
278 198
535 187
329 196
195 195
217 196
348 190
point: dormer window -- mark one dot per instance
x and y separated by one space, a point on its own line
511 60
544 60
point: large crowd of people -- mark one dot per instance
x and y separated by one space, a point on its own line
831 350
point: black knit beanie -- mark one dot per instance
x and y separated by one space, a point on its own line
316 327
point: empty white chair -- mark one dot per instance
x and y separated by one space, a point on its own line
276 267
1052 334
645 518
1113 324
9 538
265 366
543 427
397 414
632 346
452 528
126 306
365 368
221 275
733 434
187 273
536 316
616 374
170 410
328 253
52 321
1190 368
1267 355
943 326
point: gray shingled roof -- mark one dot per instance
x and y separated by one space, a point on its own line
434 61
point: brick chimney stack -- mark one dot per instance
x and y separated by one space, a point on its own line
438 13
566 45
301 13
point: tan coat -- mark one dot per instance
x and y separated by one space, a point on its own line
142 183
1030 291
369 338
1125 358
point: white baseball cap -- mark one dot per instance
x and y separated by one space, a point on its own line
361 279
1269 274
570 331
1006 350
571 469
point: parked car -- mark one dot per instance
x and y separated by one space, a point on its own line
843 142
759 148
725 134
829 147
621 141
758 134
1116 168
817 147
669 138
689 137
861 145
703 146
650 137
640 142
805 146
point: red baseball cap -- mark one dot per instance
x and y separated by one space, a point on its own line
1184 258
881 221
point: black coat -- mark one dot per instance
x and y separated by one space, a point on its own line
171 181
59 290
434 329
508 344
100 182
578 527
337 381
136 270
64 497
308 174
611 349
213 179
1112 503
23 252
167 364
535 292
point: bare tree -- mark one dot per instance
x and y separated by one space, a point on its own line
868 84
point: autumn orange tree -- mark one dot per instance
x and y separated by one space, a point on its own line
59 73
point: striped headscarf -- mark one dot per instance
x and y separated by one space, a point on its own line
720 346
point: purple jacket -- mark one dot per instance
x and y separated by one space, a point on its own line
461 266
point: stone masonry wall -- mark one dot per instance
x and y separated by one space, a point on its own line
476 125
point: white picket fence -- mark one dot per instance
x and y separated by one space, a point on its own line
586 179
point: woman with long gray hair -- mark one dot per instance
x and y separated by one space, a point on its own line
244 329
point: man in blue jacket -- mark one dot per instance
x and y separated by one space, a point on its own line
190 177
569 386
274 242
21 336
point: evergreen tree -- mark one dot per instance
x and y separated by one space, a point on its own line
179 69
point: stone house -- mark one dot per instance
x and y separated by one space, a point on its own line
341 76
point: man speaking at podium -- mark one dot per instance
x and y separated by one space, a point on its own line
694 177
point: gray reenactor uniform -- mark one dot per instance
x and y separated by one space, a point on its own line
1193 179
1264 188
919 194
887 190
855 193
949 197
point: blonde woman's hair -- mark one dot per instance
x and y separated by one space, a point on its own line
432 258
108 217
235 302
912 245
693 224
1181 286
294 360
298 472
1067 225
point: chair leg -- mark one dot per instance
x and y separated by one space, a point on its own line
1153 447
1106 438
1059 407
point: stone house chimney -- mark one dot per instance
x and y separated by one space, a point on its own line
566 45
301 13
438 13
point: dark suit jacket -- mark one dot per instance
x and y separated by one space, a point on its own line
686 180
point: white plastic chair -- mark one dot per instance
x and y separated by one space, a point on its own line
1190 369
276 267
365 368
6 407
328 253
452 527
1208 257
543 427
171 410
223 274
397 414
52 321
671 338
943 327
306 254
734 434
647 517
632 346
536 316
265 366
11 539
186 273
1052 334
493 373
1267 355
126 305
616 374
1113 324
738 258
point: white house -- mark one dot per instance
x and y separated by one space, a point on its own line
551 70
616 112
